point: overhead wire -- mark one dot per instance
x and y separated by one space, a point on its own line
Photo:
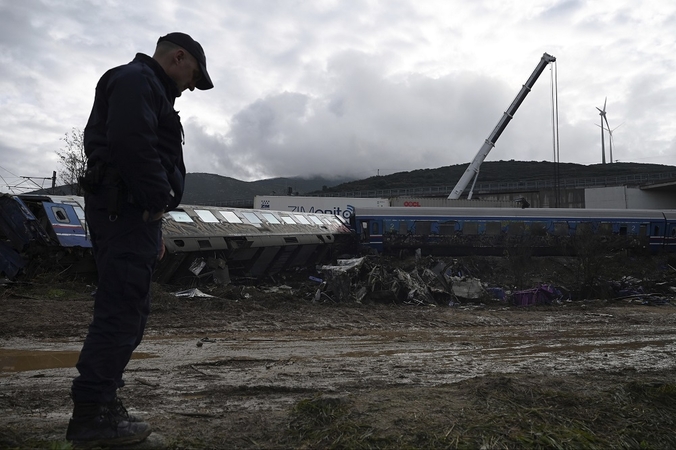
5 182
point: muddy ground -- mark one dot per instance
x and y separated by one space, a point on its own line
267 366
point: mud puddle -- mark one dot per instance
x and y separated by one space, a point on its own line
19 360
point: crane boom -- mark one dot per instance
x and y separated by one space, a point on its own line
488 145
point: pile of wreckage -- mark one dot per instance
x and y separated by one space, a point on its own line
432 282
449 282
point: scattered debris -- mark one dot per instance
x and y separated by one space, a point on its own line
191 293
540 295
469 288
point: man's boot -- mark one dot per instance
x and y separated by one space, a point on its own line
96 425
119 410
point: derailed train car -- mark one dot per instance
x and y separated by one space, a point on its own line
491 231
201 241
221 242
42 230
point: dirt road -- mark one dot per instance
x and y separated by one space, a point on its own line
263 370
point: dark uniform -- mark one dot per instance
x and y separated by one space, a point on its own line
133 142
135 172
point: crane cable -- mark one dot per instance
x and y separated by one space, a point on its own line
555 130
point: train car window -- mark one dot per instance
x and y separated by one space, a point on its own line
60 214
673 231
316 220
538 229
643 230
606 229
302 219
583 228
493 228
403 228
78 210
423 227
288 220
375 229
270 218
471 228
252 218
447 229
180 216
656 232
516 228
623 230
364 231
561 228
206 216
230 216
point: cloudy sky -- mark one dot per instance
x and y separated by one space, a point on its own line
352 87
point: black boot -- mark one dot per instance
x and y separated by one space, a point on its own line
96 425
119 410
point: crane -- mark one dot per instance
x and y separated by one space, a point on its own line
473 169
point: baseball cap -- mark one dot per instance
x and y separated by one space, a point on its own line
195 49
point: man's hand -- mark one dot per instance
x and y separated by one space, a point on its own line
148 217
163 250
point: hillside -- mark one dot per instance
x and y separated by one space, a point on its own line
499 171
204 188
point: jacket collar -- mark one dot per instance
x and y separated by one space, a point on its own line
169 84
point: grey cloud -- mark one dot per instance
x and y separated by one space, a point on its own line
367 124
348 88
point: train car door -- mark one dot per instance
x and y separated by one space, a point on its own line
370 232
670 232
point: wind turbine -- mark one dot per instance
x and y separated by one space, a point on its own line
611 139
602 113
610 133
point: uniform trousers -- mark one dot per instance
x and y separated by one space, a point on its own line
125 250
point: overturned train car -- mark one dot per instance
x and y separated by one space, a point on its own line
220 242
492 231
38 231
41 232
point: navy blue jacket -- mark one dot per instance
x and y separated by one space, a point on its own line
134 129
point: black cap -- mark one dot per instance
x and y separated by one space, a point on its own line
195 49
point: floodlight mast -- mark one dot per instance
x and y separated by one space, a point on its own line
473 169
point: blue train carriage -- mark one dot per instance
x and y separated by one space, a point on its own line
489 231
62 216
41 231
249 243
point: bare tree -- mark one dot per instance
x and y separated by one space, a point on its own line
73 159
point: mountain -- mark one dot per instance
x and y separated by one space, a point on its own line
211 189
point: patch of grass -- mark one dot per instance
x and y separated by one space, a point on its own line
504 414
327 423
635 415
11 439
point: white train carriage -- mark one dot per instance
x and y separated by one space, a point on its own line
251 242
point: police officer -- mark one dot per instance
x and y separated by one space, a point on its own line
135 173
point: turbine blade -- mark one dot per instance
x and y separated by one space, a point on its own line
604 104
